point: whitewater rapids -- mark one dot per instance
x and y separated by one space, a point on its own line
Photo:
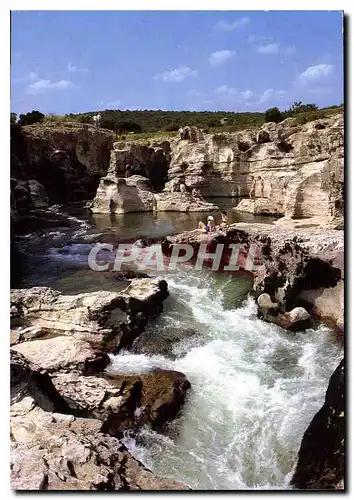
255 389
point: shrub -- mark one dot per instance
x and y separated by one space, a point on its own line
127 127
274 115
13 118
299 107
30 118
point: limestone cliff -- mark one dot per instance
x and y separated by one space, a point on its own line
66 159
148 161
302 167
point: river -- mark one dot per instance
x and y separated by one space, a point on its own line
255 387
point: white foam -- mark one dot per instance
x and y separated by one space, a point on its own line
255 388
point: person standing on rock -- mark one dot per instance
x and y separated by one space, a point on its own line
252 192
181 133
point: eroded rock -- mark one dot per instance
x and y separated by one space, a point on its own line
163 341
54 450
321 455
105 319
125 401
62 353
303 266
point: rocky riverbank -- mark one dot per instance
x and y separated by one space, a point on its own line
67 412
303 266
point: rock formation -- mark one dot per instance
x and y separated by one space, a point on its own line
321 456
54 449
302 167
105 319
67 411
125 401
67 159
299 169
148 161
117 195
303 266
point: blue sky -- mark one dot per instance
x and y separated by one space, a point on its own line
76 61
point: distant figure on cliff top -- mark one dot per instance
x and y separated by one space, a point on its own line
128 171
181 133
97 120
252 192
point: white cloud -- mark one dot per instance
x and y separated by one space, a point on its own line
239 23
176 75
270 48
109 104
41 86
246 94
221 57
225 90
315 73
271 94
74 69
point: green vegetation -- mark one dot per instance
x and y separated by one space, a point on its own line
274 115
30 118
150 124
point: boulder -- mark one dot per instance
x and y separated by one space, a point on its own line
31 387
108 320
321 462
260 206
125 401
294 320
162 341
265 305
118 195
62 354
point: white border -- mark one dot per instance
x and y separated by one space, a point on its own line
4 185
